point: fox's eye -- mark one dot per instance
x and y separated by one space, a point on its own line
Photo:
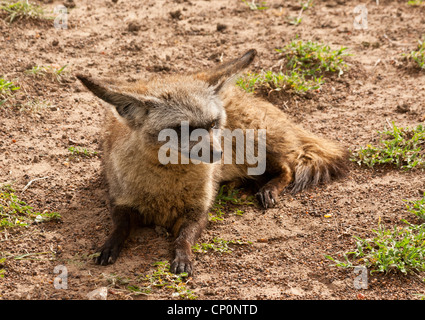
214 125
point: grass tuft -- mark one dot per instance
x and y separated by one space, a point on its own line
398 249
163 278
418 55
6 90
83 152
218 245
17 10
312 58
401 248
16 213
402 147
417 207
415 2
228 199
254 6
54 72
307 63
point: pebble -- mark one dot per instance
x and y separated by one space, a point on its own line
98 294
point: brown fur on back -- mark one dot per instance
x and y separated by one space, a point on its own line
312 159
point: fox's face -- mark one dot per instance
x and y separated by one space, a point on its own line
188 105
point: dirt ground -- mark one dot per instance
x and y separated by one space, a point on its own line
129 40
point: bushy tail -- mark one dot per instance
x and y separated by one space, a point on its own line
318 162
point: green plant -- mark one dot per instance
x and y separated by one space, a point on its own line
55 72
312 58
307 64
307 5
2 271
16 213
415 2
78 151
218 245
162 277
418 55
400 248
254 6
402 147
16 10
277 81
6 89
35 105
226 198
297 20
250 81
417 207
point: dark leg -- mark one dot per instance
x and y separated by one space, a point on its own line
267 195
189 232
122 217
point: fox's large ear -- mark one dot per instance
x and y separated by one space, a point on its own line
127 106
223 73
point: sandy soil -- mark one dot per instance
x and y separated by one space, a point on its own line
129 40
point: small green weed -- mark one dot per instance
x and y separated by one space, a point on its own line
254 6
2 271
399 248
307 64
163 278
139 290
227 198
307 5
297 20
218 245
6 90
294 20
54 72
418 55
415 2
312 58
34 106
80 259
78 151
403 147
16 213
16 10
277 81
417 207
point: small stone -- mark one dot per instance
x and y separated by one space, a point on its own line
177 15
403 108
221 27
98 294
133 26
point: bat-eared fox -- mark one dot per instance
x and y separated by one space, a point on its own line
145 189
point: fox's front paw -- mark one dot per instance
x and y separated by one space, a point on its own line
267 197
182 263
108 254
